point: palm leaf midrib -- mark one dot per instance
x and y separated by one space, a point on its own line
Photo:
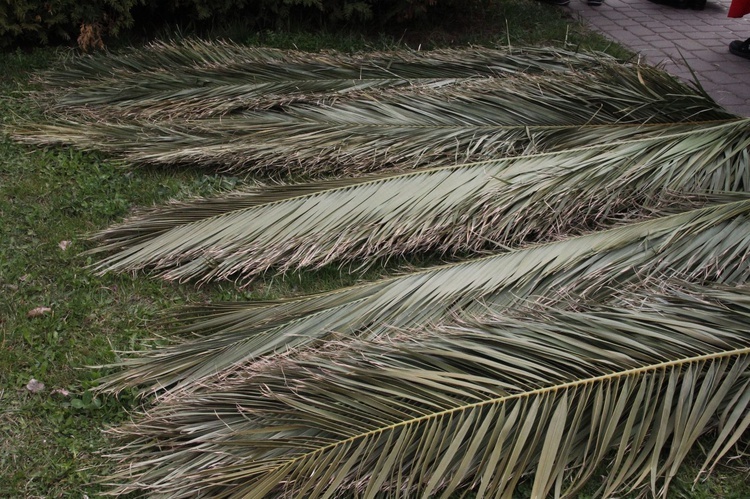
190 56
529 394
257 196
238 333
729 209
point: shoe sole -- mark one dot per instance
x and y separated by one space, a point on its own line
740 53
736 48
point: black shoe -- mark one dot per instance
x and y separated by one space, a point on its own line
595 3
740 48
561 3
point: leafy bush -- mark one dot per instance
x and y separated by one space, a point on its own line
34 22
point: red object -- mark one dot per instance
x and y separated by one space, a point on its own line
739 8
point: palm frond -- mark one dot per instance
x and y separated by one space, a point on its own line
711 242
211 58
449 209
201 78
442 126
481 405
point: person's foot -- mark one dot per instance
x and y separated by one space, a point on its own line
595 3
740 48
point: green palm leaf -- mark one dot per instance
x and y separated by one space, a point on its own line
449 209
481 405
482 120
195 77
708 242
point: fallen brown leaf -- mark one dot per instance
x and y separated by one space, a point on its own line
38 311
35 386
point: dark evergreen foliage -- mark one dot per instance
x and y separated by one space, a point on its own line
41 22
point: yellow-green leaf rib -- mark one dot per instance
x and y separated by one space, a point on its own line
452 408
449 210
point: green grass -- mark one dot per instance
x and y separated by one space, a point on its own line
47 197
50 441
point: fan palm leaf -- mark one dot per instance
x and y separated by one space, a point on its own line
479 405
200 78
709 242
449 125
449 209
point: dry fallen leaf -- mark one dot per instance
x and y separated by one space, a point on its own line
34 386
38 311
61 391
64 245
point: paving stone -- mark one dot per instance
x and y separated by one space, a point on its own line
718 45
651 39
665 35
607 25
707 55
741 68
731 82
640 31
662 43
704 34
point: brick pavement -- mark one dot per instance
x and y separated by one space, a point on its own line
677 39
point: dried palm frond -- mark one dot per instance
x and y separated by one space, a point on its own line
203 78
542 396
448 210
711 242
442 126
196 57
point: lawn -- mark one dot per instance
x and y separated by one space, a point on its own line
58 320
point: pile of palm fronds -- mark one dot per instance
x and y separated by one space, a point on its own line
482 404
288 116
594 312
